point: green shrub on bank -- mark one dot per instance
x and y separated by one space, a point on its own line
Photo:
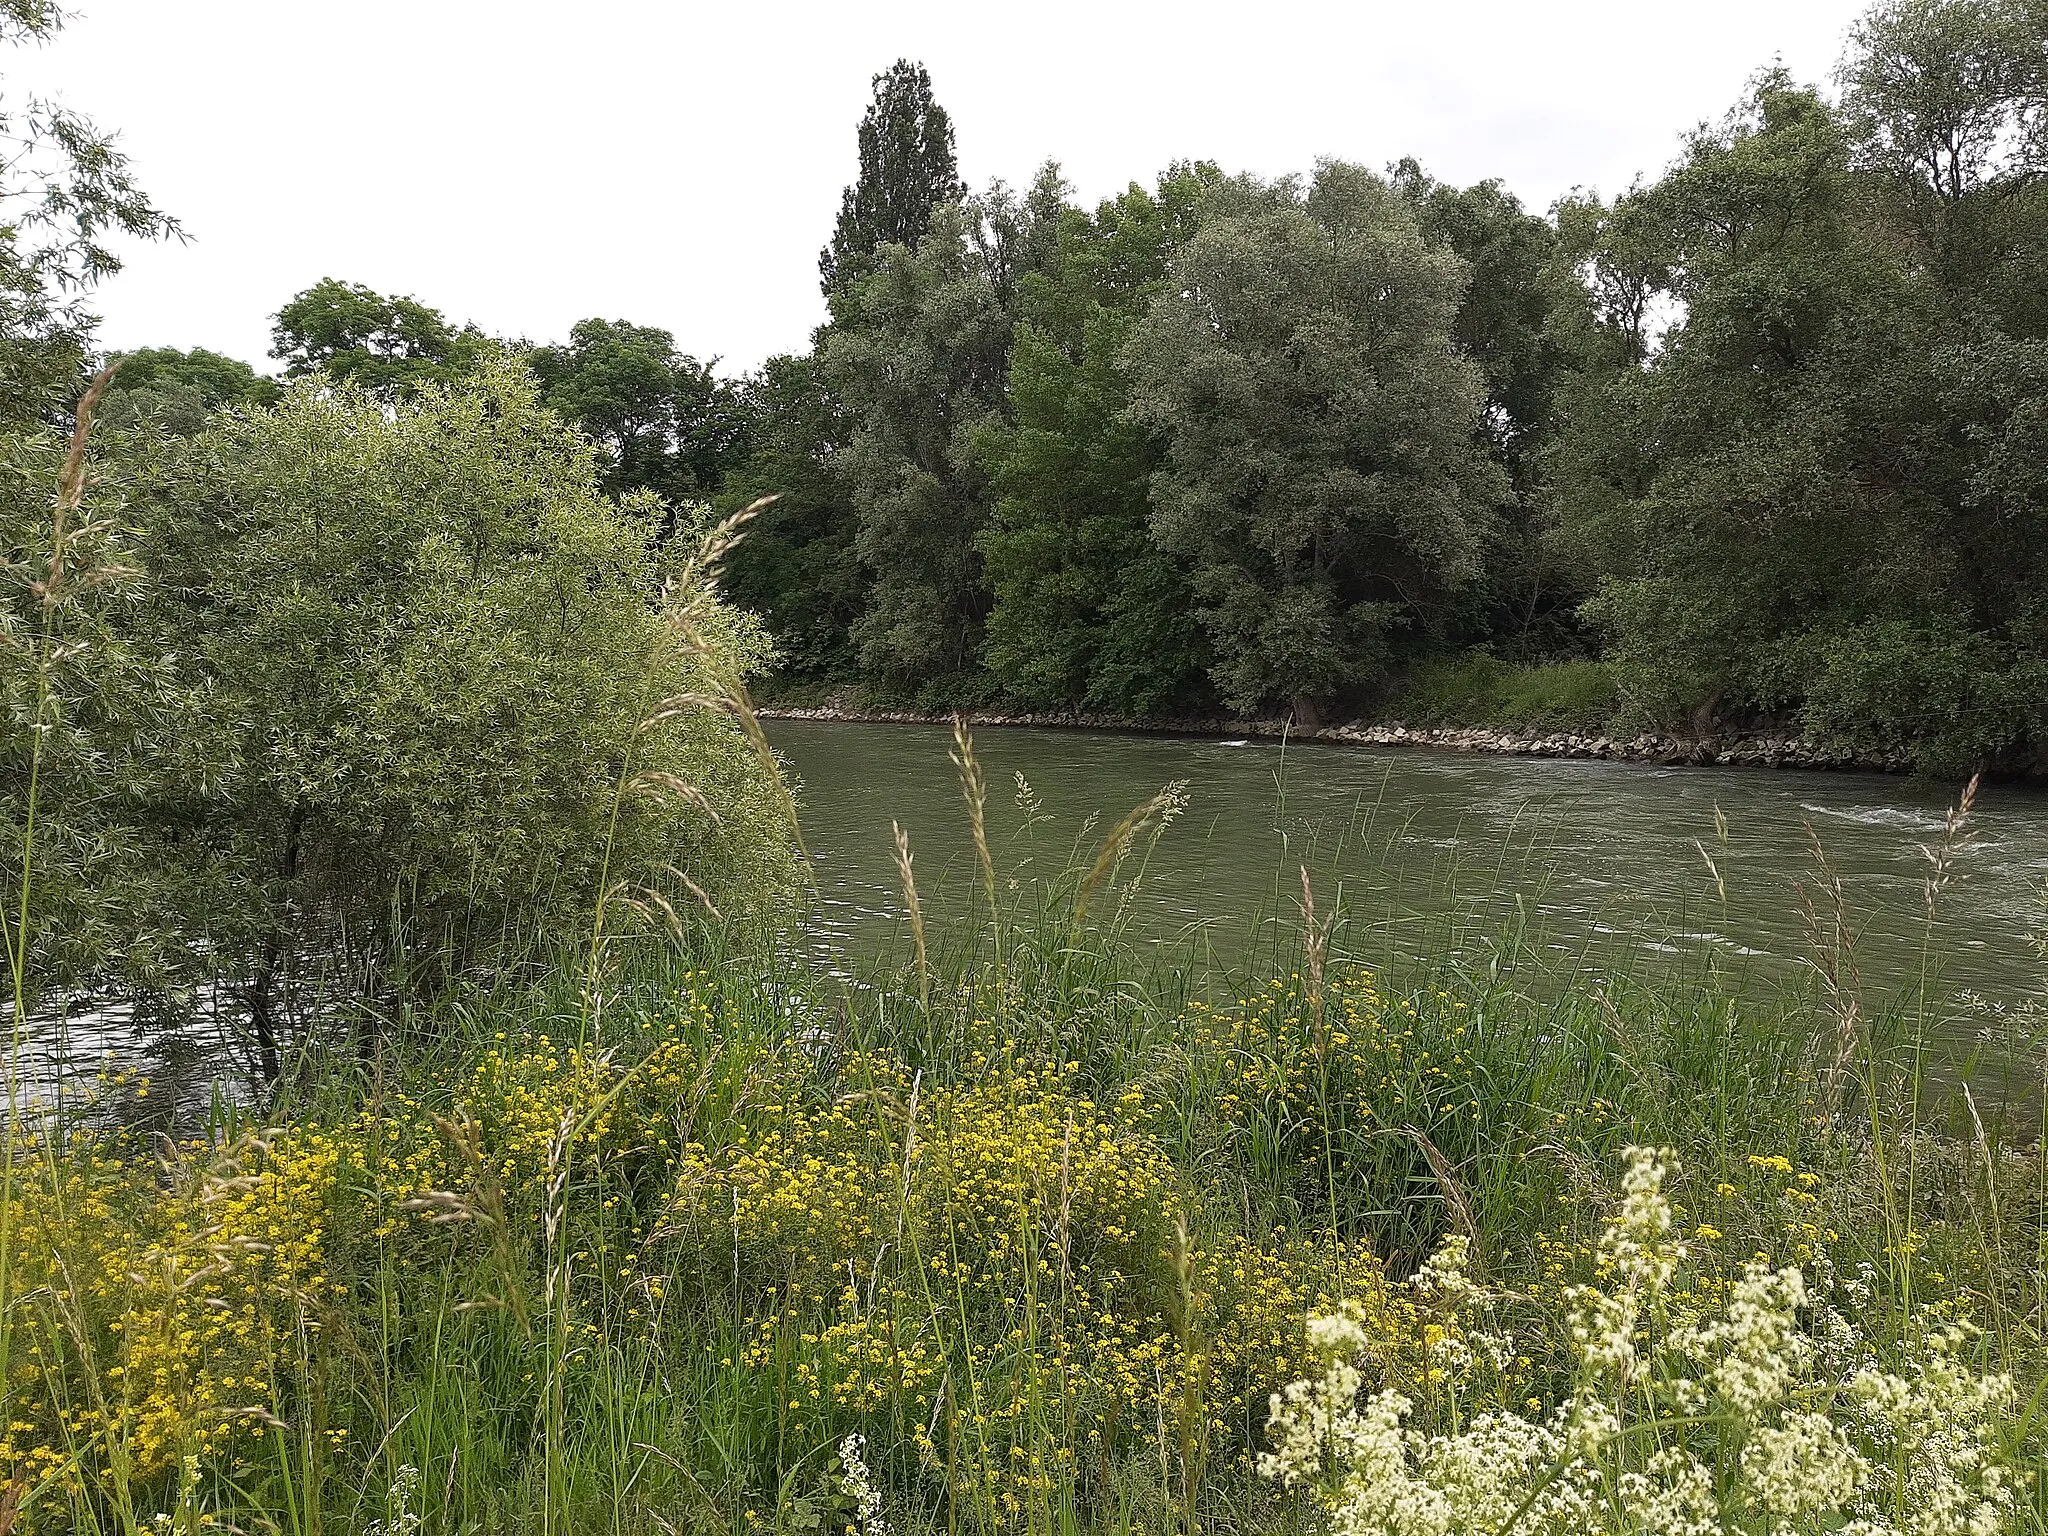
345 697
1479 689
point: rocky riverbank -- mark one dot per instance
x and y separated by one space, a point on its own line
1727 751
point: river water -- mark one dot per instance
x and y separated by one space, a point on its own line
1599 868
1605 865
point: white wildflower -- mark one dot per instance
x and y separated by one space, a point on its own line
1604 1330
1673 1495
402 1520
1339 1333
1801 1467
1934 1433
1444 1276
1488 1472
1754 1350
1736 1422
1640 1250
1638 1241
859 1485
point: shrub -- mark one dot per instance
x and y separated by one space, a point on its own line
1479 689
453 695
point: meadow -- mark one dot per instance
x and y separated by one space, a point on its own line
1025 1232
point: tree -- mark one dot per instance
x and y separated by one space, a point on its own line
907 172
176 391
666 422
1798 503
917 362
67 192
1946 101
1324 479
387 344
1504 319
1086 610
797 566
440 669
1520 321
75 699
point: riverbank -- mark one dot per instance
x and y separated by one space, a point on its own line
1649 747
1023 1244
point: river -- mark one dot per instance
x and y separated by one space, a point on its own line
1605 865
1600 868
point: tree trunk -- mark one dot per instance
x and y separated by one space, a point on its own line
262 995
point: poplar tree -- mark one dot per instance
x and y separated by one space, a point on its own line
907 169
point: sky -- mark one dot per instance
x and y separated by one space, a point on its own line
679 164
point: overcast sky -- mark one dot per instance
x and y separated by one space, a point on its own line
679 164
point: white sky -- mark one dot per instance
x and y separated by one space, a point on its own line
679 164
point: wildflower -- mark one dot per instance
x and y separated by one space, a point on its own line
859 1486
1752 1430
402 1520
1755 1345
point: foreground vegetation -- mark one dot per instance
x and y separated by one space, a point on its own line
1024 1237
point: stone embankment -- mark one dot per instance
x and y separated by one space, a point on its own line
1726 751
1731 751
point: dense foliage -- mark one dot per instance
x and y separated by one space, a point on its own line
432 666
1819 493
1762 435
1760 439
1324 480
337 691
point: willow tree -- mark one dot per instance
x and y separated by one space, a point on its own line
448 691
1325 479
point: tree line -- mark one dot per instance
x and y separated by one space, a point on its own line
1757 443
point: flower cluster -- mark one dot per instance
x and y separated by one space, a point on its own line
1718 1424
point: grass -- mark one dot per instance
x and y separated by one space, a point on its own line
1480 689
636 1246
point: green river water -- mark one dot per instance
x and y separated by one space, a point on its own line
1602 865
1597 869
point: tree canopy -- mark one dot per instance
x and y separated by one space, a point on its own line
907 172
1324 477
386 343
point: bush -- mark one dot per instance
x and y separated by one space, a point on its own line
452 696
1949 698
1480 689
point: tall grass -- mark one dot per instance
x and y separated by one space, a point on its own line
1041 1216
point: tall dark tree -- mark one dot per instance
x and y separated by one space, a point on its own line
1087 610
918 365
907 170
797 567
1521 321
